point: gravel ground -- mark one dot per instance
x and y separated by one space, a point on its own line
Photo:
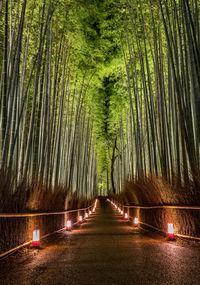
104 250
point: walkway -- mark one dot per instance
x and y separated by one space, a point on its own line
104 250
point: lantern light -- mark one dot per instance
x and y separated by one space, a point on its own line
122 212
80 219
69 225
36 237
170 231
136 221
93 210
86 215
90 212
126 216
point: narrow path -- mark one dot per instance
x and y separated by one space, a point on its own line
104 250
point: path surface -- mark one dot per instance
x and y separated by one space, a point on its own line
104 250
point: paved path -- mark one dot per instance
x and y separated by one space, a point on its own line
104 250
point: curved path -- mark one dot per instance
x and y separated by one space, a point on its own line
104 250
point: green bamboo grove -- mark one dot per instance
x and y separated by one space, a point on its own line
163 82
94 94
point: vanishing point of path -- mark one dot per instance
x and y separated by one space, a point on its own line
104 250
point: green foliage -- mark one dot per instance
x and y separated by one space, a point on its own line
94 29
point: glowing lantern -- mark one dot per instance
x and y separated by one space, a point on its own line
93 210
36 237
122 212
68 225
90 212
86 215
136 222
170 231
80 219
126 216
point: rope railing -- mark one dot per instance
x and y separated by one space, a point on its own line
164 207
19 215
161 207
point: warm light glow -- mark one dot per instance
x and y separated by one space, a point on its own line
126 216
122 212
136 221
69 225
86 215
93 210
36 237
170 230
90 212
80 219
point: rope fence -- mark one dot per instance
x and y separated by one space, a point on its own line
40 214
31 215
127 208
164 207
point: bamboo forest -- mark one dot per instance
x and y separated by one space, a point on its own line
98 98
